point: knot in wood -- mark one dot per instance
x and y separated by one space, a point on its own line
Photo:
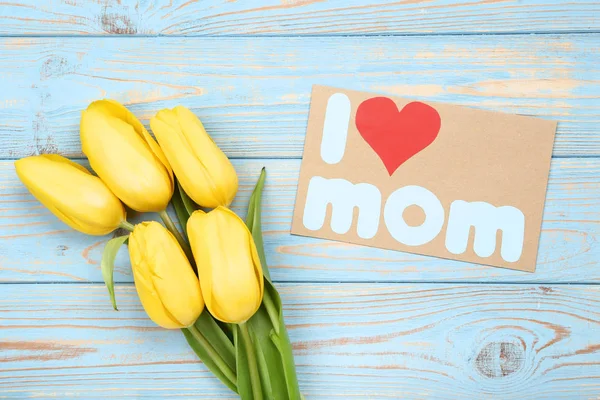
499 359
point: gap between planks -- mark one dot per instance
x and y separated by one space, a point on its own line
304 35
341 282
284 158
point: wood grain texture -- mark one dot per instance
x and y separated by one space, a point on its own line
293 17
253 95
36 247
378 341
424 331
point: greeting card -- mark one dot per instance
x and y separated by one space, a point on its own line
424 177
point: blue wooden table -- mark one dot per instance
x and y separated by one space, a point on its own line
365 323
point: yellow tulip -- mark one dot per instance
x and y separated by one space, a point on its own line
125 156
203 170
78 198
165 282
230 273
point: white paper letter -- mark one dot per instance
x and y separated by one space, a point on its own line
487 220
397 226
335 128
343 197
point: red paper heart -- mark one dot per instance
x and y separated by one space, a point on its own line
396 135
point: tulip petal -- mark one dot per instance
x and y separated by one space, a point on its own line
203 170
125 157
228 264
197 232
257 269
235 300
221 172
70 192
145 288
193 175
112 107
61 159
164 279
173 277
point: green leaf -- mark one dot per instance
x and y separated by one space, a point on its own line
263 367
188 203
219 341
244 383
183 205
226 328
267 325
180 211
271 365
253 221
107 265
281 340
216 337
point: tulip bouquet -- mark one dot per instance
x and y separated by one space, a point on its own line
211 279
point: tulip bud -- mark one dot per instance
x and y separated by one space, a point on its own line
228 265
125 156
204 171
78 198
165 282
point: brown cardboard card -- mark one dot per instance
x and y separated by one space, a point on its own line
424 177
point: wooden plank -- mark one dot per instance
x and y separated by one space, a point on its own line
350 340
36 247
253 94
271 17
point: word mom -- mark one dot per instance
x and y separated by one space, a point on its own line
345 196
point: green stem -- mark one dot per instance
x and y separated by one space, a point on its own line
126 225
173 229
252 363
271 310
213 354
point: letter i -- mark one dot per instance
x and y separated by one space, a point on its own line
335 128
